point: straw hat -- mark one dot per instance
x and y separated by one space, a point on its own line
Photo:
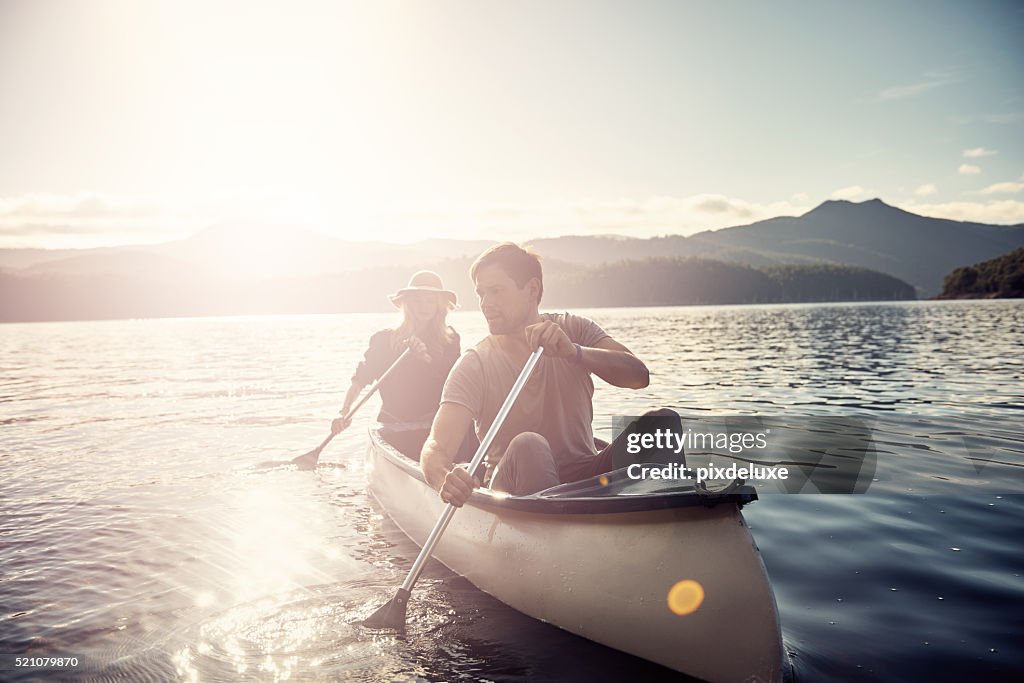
425 281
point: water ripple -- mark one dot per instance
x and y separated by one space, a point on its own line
136 532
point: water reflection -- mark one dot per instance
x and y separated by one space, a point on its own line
133 530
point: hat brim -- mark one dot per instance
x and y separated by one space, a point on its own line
396 298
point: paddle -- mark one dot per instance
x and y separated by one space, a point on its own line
392 613
308 461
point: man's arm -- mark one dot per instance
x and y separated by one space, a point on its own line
608 359
615 364
437 459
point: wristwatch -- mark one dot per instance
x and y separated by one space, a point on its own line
579 353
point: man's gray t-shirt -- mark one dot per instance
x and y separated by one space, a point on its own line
556 402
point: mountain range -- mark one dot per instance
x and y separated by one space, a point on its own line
250 257
871 234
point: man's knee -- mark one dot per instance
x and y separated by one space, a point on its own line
528 466
663 418
528 446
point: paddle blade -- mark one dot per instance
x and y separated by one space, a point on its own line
391 614
307 461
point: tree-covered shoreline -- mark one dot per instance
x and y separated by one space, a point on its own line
998 278
694 281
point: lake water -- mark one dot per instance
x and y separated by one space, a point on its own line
136 533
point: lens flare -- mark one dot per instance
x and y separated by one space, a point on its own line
685 597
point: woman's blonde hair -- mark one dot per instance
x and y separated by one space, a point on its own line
437 334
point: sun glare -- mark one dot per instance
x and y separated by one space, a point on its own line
271 546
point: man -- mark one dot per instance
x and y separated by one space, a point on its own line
547 437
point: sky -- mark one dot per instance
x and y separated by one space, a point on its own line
136 121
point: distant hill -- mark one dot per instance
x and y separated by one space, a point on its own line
998 278
17 259
243 251
875 235
869 234
240 268
159 291
124 261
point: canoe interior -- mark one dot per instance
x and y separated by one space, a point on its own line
612 492
406 440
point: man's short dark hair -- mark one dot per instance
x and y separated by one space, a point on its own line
518 263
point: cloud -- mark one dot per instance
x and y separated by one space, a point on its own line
926 190
58 221
1004 188
716 205
81 205
800 197
86 219
1003 119
1001 212
977 152
968 169
849 193
659 215
931 81
901 92
92 219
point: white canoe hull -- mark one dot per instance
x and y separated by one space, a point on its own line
607 576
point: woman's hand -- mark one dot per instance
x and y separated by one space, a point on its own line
340 424
419 349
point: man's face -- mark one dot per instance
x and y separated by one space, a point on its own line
506 307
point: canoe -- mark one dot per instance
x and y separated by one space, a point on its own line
600 558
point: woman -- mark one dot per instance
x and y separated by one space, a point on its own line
413 392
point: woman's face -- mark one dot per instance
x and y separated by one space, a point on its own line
422 306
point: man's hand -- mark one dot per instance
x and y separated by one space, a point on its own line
450 426
457 486
552 337
608 359
419 349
